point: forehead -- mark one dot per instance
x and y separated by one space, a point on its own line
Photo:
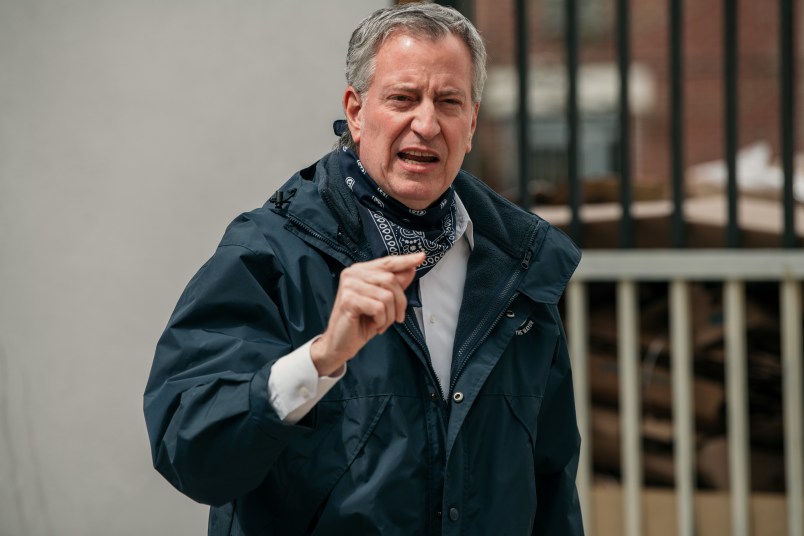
403 53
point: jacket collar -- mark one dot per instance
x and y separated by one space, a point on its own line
509 235
547 255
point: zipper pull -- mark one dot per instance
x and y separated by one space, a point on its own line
279 199
526 260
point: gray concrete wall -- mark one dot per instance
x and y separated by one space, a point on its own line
131 133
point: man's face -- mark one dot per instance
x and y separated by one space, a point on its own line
415 122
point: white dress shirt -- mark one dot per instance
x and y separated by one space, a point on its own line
294 386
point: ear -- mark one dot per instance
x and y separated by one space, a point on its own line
352 107
473 126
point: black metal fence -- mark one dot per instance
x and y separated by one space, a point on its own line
676 102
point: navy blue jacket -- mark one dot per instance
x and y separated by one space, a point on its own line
382 452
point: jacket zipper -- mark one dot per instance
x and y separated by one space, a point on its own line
307 229
462 351
423 347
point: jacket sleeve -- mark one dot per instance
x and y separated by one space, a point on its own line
213 431
557 451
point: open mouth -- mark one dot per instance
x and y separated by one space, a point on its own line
417 157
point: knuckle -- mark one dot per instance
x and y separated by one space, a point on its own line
377 308
387 295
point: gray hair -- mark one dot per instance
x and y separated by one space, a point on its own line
424 20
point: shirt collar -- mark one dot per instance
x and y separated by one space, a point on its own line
463 223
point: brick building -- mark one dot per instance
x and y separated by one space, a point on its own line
495 152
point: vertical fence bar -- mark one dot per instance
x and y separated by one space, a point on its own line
623 60
683 404
677 119
737 412
790 300
579 354
631 443
575 189
730 111
787 113
523 114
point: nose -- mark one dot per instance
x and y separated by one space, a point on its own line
425 120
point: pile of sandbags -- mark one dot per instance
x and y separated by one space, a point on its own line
708 387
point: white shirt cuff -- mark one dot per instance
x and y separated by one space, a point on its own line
294 386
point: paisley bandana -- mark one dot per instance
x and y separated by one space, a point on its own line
394 229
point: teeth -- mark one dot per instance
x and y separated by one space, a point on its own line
418 156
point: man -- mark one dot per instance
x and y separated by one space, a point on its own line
378 350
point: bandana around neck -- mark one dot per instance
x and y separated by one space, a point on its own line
394 229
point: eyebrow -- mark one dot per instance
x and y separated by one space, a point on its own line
451 93
407 88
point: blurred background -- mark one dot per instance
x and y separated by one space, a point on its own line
664 137
131 133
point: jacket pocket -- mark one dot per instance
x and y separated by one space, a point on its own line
500 476
296 490
525 410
